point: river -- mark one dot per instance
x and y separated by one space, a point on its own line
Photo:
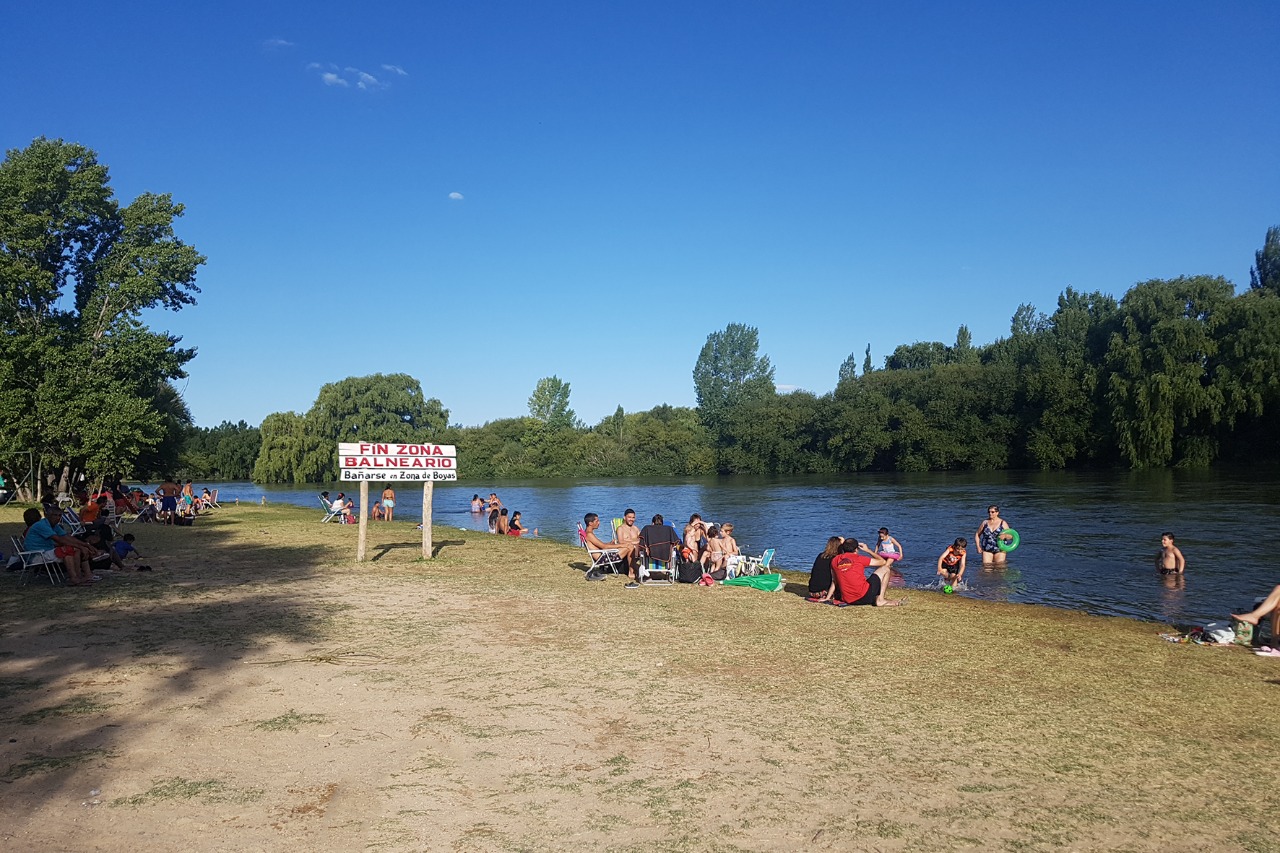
1088 539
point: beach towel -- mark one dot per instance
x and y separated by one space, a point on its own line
764 583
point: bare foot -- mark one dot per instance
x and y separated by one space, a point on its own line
1246 618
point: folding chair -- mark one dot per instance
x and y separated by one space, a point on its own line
72 521
34 561
213 499
602 559
330 514
757 565
660 558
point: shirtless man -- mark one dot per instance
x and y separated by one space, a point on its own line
168 492
1169 560
627 540
591 523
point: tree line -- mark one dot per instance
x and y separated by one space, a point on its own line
1180 372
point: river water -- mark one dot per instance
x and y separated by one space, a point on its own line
1088 539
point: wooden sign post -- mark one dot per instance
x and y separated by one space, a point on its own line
392 462
428 487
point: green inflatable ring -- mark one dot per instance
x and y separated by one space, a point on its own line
1008 545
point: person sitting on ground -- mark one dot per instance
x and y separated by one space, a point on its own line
493 521
504 524
887 546
376 512
125 550
518 529
1270 604
951 562
349 512
48 537
820 574
850 584
1169 560
658 542
590 524
100 538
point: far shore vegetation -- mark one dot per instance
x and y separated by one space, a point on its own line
1177 372
490 699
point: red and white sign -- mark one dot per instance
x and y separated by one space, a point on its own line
394 461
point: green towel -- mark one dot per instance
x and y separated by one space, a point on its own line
765 583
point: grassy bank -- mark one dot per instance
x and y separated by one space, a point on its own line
261 690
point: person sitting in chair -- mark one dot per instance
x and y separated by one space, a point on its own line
658 542
590 524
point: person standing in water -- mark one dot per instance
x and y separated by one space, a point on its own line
988 537
1169 560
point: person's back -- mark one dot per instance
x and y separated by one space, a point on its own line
658 539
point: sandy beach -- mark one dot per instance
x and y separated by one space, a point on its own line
260 690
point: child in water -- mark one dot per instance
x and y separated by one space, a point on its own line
888 547
1169 559
951 562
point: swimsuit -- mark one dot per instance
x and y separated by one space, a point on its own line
988 539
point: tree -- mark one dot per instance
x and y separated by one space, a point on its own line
1265 273
848 369
1164 406
85 383
384 408
729 373
549 404
866 362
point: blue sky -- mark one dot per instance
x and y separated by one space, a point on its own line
512 176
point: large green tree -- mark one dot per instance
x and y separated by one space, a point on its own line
730 373
83 381
381 407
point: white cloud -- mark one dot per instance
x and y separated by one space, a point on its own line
276 43
364 80
331 79
786 389
395 69
456 196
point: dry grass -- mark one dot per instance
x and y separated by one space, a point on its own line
489 699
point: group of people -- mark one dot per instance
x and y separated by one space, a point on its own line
84 555
709 549
501 521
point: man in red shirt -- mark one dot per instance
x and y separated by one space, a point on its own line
850 583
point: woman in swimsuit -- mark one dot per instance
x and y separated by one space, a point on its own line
518 529
388 503
988 537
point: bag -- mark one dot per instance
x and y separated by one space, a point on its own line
183 520
1243 634
688 571
719 574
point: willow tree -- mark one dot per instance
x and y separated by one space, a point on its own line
83 381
